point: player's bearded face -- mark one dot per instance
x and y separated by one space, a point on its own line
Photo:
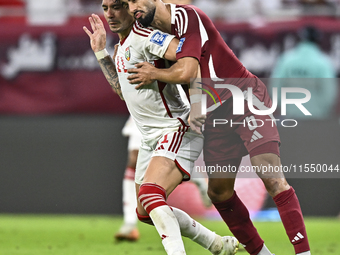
148 17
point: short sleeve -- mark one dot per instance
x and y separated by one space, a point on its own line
192 33
157 44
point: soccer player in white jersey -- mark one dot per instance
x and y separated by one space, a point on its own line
129 231
169 147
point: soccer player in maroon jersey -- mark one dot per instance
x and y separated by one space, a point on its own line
201 45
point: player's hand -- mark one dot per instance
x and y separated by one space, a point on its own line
98 37
142 74
196 118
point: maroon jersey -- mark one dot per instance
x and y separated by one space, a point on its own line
200 39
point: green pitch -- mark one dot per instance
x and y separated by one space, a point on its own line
93 235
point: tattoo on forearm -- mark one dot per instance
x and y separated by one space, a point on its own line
110 73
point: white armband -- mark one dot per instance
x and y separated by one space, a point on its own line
101 54
196 98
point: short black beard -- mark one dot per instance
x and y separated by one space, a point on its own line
147 20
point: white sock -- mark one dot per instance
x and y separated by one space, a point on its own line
304 253
129 202
194 230
201 184
168 228
264 251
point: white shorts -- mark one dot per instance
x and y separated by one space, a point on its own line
135 137
182 147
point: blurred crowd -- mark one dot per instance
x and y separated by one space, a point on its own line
225 10
258 53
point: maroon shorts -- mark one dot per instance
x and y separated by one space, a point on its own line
228 136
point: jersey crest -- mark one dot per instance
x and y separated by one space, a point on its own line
127 54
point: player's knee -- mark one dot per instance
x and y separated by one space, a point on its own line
220 189
275 186
150 197
219 194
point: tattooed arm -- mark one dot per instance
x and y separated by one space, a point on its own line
98 43
109 70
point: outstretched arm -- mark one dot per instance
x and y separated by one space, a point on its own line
98 44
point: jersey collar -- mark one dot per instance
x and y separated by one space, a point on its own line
121 42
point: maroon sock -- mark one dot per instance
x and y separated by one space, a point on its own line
291 215
236 216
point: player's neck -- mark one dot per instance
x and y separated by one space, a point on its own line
162 19
122 35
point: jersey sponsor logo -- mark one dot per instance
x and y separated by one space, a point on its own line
158 38
298 237
127 54
256 136
160 148
180 45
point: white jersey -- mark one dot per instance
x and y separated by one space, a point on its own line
156 108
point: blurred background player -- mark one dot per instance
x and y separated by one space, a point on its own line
306 66
128 231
